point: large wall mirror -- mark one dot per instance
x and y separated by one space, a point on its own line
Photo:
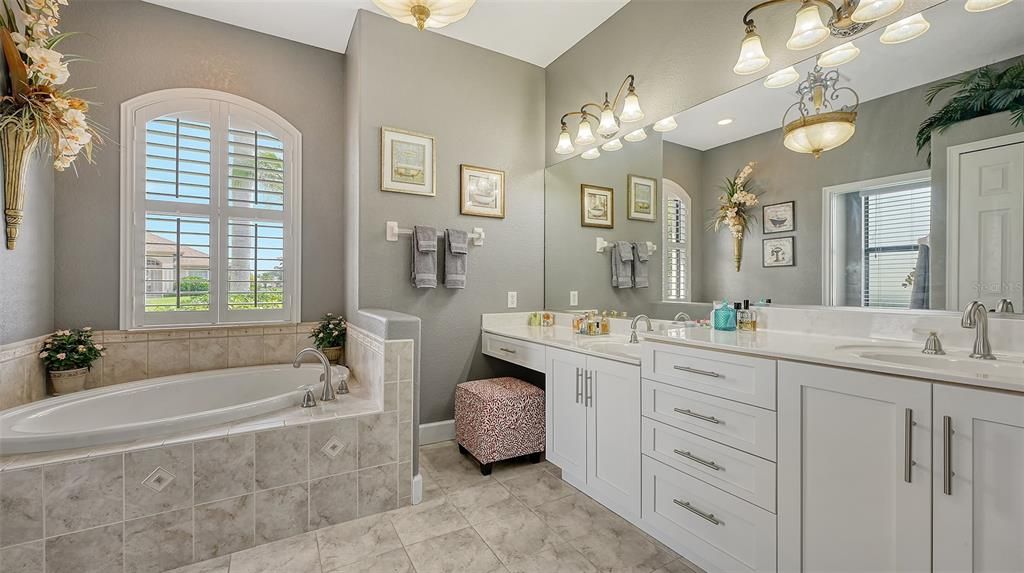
874 222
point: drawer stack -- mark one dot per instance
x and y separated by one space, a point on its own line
709 453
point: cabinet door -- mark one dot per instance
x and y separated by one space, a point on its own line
613 430
566 413
979 480
854 471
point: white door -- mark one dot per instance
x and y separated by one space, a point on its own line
566 412
613 431
979 480
854 471
991 223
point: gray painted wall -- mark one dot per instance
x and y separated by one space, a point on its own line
137 48
570 261
484 109
26 273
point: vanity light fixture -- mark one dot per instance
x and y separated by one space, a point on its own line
591 154
608 123
426 13
636 136
809 30
822 125
667 124
838 55
752 57
871 10
782 78
613 145
905 30
725 121
983 5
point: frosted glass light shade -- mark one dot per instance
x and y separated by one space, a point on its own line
564 146
752 57
631 108
983 5
905 30
591 154
613 145
585 135
819 133
667 124
838 55
782 78
426 13
635 136
608 125
809 30
871 10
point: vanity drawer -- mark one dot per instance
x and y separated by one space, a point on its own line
519 352
742 378
739 473
741 426
689 515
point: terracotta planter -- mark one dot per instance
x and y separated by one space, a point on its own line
737 251
16 145
336 354
68 381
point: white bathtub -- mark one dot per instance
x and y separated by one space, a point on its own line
156 407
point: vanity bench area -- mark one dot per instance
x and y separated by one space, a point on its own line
787 451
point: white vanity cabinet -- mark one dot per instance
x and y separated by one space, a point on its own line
593 427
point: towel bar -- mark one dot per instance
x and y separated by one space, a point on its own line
603 245
392 231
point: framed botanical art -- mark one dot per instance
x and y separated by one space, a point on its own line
407 162
642 198
482 191
779 252
597 206
779 218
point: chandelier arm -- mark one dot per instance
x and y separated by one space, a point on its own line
580 113
748 21
629 80
591 104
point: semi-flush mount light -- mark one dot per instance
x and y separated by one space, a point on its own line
613 145
983 5
821 125
838 55
426 13
782 78
905 30
667 124
635 136
591 154
809 30
871 10
608 123
725 121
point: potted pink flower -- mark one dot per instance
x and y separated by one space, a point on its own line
69 355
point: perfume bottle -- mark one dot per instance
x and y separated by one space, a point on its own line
606 325
746 318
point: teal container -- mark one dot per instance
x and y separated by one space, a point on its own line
725 317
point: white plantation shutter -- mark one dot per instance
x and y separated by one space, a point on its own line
676 250
210 209
893 221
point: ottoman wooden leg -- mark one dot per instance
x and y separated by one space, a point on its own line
535 458
463 450
485 469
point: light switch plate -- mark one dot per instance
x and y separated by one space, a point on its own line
513 299
574 298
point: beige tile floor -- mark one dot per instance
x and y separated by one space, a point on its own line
523 518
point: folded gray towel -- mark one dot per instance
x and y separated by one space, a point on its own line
622 264
456 258
424 257
641 254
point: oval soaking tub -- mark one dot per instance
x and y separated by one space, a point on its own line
156 406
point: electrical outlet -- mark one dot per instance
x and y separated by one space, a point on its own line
513 299
574 298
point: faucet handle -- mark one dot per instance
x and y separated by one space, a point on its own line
933 345
308 399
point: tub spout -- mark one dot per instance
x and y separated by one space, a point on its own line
328 392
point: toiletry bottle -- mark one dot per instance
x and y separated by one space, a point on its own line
746 319
593 325
725 317
606 325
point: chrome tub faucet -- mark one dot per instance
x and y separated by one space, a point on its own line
976 317
327 394
633 338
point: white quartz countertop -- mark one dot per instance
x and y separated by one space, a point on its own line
563 337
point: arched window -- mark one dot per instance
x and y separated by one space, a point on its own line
675 242
210 211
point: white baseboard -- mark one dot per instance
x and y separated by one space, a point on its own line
435 432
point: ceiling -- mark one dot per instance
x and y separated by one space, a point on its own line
956 42
535 31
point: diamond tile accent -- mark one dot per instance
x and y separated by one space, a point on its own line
333 447
158 479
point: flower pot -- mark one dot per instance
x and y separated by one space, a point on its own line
68 381
737 251
16 145
336 354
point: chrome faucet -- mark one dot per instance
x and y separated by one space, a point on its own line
1004 305
633 338
681 315
976 317
328 392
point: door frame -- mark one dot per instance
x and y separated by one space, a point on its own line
953 154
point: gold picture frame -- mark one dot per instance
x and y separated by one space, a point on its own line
597 206
481 191
408 162
642 198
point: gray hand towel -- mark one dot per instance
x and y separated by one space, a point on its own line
641 254
622 265
424 257
920 290
456 259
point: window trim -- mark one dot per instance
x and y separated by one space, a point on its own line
129 198
666 189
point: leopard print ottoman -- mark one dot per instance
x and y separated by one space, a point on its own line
499 419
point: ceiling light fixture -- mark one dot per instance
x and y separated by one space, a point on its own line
808 30
426 13
752 57
725 121
608 123
782 78
821 125
635 136
983 5
838 55
613 145
591 154
905 30
872 10
667 124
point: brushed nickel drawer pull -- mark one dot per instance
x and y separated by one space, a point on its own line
947 455
579 385
509 350
699 460
908 444
687 412
696 371
708 516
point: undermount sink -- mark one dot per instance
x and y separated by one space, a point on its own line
613 347
961 364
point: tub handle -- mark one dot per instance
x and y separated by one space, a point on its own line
308 399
